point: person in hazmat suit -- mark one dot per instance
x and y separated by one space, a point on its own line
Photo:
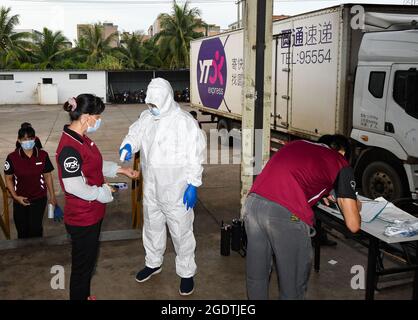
172 149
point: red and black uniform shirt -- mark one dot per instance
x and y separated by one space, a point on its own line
28 173
301 173
78 156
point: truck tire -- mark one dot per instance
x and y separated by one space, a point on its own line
380 179
223 129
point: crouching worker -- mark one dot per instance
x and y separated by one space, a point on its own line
81 172
172 152
279 217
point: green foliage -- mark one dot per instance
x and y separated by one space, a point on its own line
48 48
109 62
12 44
92 45
131 51
169 49
178 29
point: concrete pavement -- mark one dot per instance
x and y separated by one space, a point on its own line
25 271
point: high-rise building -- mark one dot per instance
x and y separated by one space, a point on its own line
208 29
155 28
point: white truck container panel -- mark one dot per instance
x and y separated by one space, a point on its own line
217 73
313 77
313 57
298 106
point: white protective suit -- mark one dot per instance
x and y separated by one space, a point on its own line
172 149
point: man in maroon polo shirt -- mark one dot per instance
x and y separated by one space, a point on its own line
279 216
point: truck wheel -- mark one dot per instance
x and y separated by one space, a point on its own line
223 129
382 180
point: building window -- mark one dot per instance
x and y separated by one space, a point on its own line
377 84
47 80
6 77
405 91
78 76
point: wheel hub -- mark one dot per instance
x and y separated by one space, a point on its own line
381 185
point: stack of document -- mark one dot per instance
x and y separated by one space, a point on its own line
379 208
371 209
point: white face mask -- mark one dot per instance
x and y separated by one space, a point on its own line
96 126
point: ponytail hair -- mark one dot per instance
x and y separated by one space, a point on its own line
84 104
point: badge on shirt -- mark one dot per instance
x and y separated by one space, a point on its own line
6 166
71 165
38 163
353 184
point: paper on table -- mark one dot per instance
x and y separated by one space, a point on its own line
370 209
392 213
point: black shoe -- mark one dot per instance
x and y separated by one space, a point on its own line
186 286
147 273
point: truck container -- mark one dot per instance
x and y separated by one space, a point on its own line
349 69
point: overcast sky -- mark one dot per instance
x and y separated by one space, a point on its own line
65 15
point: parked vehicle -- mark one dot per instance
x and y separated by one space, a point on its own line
177 96
186 95
330 77
142 96
126 96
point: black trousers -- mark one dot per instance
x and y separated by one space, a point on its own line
85 250
28 219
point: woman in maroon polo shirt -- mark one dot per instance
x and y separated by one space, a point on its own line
38 142
28 178
81 172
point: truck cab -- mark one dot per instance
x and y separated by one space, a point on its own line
385 114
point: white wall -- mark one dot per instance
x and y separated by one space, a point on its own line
22 89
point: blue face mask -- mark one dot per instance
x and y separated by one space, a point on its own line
96 126
155 111
28 145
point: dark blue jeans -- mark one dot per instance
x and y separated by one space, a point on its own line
272 229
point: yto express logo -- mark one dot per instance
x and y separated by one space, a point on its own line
71 165
211 73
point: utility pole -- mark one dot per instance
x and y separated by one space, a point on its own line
258 26
238 3
240 13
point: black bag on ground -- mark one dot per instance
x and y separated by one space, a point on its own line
239 237
225 239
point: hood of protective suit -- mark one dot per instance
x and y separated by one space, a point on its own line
160 93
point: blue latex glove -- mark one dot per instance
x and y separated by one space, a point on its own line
190 196
128 148
58 214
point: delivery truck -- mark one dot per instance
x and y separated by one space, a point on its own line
350 69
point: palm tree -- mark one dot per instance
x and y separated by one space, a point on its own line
178 29
152 54
131 51
12 44
93 45
48 47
